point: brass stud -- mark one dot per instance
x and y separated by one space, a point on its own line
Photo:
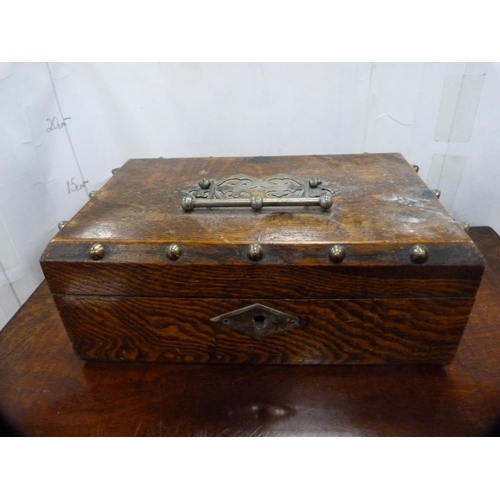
96 251
437 193
255 252
173 252
115 170
416 168
336 253
187 203
92 194
465 226
418 254
61 224
256 202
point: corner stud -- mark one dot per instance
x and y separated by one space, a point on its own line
465 226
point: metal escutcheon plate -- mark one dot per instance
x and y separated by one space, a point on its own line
257 320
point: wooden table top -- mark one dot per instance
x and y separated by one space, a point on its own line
45 390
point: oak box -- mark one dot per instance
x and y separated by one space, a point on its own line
345 259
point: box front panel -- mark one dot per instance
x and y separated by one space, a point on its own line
265 331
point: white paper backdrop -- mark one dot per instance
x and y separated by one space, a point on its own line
63 127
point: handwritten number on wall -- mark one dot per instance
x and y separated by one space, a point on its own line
54 123
73 186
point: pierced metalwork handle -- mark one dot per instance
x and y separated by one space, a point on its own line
189 203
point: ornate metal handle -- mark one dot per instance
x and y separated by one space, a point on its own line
189 203
246 191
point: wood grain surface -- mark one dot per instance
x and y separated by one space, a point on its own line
142 203
45 390
329 331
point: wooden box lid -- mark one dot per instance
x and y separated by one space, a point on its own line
391 236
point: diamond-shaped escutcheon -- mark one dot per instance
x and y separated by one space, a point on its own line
257 320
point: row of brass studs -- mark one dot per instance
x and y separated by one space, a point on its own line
255 252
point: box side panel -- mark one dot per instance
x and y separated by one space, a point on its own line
423 331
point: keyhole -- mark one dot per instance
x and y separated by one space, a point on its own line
259 320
